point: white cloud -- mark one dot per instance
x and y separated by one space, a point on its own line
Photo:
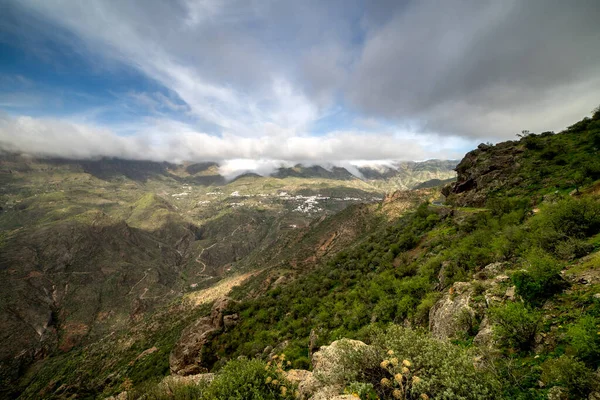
176 141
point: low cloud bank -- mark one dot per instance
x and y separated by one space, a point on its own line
236 154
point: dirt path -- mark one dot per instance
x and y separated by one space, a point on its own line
199 260
138 282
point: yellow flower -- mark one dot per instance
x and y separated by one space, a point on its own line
397 394
394 361
297 393
416 380
398 378
289 363
275 382
386 382
424 396
282 357
406 363
405 370
390 352
384 364
355 395
283 390
269 379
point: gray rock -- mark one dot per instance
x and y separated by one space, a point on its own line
453 316
557 393
490 271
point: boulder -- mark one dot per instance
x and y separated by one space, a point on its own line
306 382
490 271
453 316
217 312
185 358
324 383
328 357
229 321
485 336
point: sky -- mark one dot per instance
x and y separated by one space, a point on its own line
265 82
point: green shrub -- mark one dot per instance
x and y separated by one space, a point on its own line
245 379
570 374
168 391
540 280
433 367
571 249
364 391
570 218
422 311
515 325
584 340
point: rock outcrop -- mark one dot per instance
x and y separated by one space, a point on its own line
484 170
323 383
453 316
187 357
462 310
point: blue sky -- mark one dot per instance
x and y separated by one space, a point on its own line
287 81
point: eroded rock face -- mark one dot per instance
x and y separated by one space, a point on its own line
484 170
186 357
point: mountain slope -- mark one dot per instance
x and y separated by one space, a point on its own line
505 274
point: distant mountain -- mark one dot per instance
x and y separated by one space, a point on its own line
314 171
408 174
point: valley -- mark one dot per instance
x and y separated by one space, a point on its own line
88 247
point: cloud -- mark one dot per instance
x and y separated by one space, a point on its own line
481 69
59 138
383 77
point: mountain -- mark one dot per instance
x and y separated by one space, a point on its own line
407 175
89 247
322 285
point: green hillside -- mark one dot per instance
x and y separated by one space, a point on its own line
494 294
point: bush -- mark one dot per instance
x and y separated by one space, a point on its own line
571 249
248 380
584 340
515 325
168 391
540 280
570 374
416 363
570 218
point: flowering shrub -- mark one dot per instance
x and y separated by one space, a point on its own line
251 380
404 381
402 363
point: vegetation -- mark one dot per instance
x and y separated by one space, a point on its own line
528 254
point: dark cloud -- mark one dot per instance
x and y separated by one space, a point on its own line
497 59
